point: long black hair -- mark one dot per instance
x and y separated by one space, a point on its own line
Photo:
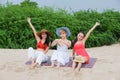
75 40
47 41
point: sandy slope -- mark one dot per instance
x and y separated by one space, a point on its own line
12 66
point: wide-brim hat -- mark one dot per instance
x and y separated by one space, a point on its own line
44 31
63 28
80 59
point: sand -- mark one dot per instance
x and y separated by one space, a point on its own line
12 66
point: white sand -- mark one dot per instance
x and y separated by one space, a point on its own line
12 66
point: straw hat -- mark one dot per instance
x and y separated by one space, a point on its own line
80 59
63 28
44 31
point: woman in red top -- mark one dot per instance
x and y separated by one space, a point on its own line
38 56
81 56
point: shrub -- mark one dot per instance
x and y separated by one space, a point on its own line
16 33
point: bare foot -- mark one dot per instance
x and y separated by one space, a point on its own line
73 69
58 66
52 66
33 66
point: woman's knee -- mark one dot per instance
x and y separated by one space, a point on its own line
30 48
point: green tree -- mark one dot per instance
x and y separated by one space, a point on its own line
28 3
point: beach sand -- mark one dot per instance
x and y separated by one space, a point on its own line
12 66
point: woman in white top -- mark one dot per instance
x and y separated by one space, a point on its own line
61 54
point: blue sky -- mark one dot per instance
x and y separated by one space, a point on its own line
75 5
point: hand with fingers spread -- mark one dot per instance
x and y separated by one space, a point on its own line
28 20
97 23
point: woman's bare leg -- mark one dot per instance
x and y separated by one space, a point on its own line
79 66
74 65
52 63
58 65
33 60
33 65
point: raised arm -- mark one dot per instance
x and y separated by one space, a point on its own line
89 32
34 31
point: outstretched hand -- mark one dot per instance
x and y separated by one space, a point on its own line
28 19
97 23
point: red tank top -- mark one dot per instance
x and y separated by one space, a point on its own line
80 50
42 46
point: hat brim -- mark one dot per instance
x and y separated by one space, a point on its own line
40 33
63 28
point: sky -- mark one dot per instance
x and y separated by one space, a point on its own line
75 5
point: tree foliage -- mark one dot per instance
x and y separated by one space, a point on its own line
16 33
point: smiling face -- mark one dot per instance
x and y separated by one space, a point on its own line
44 35
63 34
80 36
